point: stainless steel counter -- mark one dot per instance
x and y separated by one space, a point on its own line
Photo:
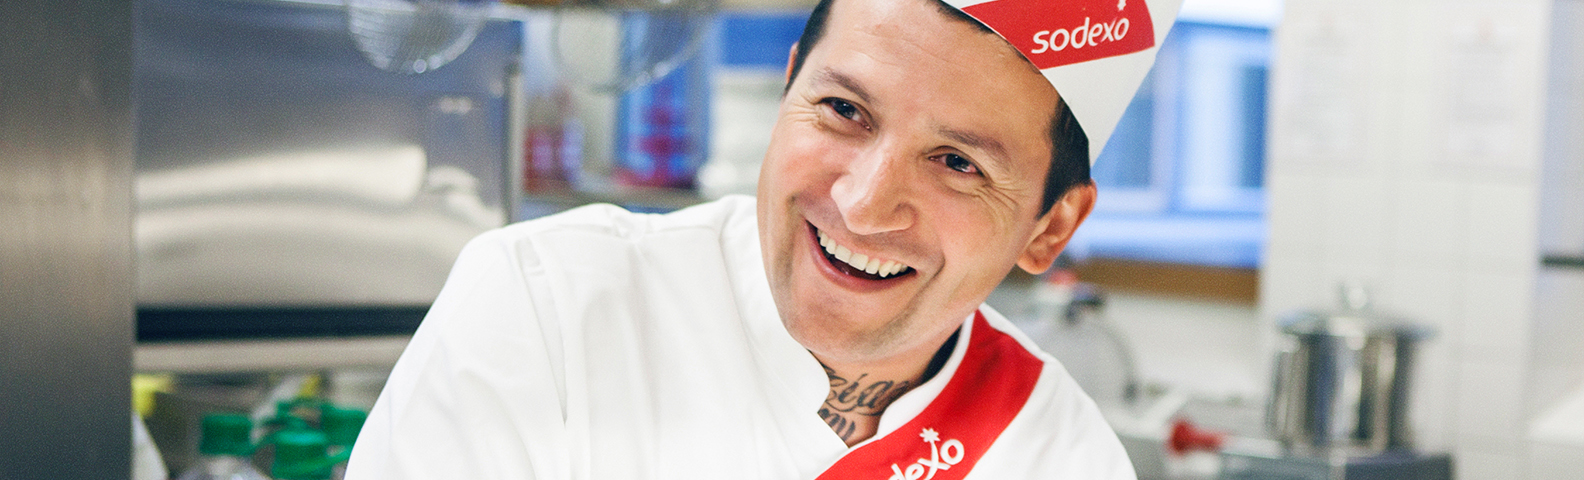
278 171
308 354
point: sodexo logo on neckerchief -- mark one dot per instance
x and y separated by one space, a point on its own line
942 457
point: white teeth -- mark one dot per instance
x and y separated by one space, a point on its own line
858 261
872 266
898 268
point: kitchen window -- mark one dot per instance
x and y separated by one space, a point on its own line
1182 178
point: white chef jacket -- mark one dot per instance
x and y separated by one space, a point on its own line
604 344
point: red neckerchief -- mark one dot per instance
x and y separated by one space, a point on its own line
943 442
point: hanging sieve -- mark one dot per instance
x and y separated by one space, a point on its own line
414 36
612 46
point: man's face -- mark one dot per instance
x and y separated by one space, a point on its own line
912 138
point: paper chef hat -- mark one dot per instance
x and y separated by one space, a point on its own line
1095 52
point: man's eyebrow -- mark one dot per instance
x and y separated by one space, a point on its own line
997 151
827 75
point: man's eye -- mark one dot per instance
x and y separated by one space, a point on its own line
841 107
958 163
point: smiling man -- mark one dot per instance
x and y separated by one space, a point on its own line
904 179
835 326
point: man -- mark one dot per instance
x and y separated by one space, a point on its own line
832 329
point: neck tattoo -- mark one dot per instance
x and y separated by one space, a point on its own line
855 401
851 399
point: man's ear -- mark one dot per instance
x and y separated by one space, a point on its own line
1056 227
791 57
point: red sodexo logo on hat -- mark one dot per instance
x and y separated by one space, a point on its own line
1052 33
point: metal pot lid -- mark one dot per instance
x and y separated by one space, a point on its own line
1354 318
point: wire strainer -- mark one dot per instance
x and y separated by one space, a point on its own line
615 45
414 36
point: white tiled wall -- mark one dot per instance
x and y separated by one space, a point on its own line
1436 204
1558 337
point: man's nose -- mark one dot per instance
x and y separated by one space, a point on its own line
874 192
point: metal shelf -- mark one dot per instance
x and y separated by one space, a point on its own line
650 198
275 355
1563 261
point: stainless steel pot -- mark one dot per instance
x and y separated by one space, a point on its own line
1342 379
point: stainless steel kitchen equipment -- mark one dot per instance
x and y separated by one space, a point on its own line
66 124
286 187
1342 378
1398 465
1339 400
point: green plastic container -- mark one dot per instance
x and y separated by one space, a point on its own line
301 455
226 434
341 425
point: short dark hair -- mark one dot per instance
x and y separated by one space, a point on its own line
1069 165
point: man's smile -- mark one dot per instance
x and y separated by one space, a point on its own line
857 264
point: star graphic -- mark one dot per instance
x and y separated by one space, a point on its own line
930 436
1121 4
